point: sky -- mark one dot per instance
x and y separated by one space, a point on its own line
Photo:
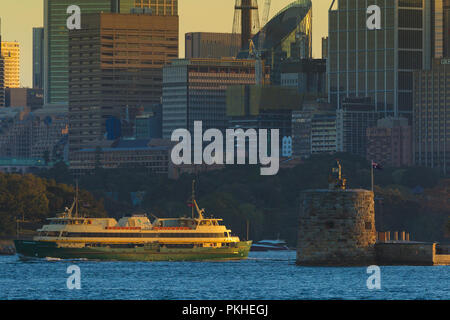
19 18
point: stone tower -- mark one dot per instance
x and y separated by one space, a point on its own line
336 226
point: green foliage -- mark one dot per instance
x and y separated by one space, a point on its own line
33 199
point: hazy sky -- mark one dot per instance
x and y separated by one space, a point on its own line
19 17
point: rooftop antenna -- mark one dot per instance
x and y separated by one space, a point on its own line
194 204
76 199
193 198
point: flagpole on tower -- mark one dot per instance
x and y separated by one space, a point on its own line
371 170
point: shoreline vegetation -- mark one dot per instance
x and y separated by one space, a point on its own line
410 199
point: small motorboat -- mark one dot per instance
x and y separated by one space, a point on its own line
270 245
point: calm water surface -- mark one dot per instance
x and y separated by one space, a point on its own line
265 275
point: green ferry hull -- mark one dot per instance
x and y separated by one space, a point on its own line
150 252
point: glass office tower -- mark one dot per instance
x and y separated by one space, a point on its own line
56 45
378 63
38 58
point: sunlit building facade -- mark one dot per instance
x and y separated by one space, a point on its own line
441 28
10 52
2 83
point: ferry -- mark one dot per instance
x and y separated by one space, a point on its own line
135 238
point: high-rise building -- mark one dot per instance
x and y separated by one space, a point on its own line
378 63
431 124
151 154
212 45
440 11
2 82
263 107
115 66
323 133
31 134
10 52
352 121
319 117
195 90
24 97
288 35
56 45
38 58
56 59
390 142
2 72
446 13
307 75
157 7
148 124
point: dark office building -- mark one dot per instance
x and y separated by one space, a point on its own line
148 124
24 97
38 58
431 127
307 75
196 90
379 63
263 107
116 63
353 119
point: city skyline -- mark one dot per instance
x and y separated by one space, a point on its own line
17 28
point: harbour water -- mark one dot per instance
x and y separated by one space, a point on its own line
264 276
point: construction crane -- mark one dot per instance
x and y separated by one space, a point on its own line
266 11
257 52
